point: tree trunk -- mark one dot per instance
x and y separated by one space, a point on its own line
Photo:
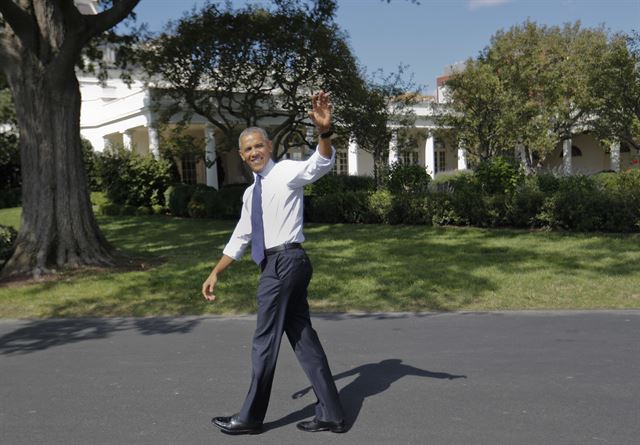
58 226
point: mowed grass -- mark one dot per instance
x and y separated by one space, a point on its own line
356 268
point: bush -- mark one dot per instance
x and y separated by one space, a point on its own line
381 206
177 198
334 184
11 197
346 207
109 209
143 211
132 179
8 237
157 209
577 205
411 179
201 201
445 181
525 204
497 175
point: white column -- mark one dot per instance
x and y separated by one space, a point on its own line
352 157
430 156
615 157
127 140
566 156
462 157
393 149
106 143
154 141
211 155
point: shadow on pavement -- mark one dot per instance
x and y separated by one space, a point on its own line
39 335
372 379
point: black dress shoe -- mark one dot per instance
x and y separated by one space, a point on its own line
315 425
233 425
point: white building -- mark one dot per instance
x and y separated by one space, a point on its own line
119 114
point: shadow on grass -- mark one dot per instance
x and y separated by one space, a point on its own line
45 334
369 268
372 379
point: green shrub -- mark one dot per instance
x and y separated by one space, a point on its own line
334 184
466 201
577 205
109 209
497 175
128 210
132 179
445 181
548 183
157 209
346 207
381 206
411 179
10 197
177 197
143 211
8 237
525 204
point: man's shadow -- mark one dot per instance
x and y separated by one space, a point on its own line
373 378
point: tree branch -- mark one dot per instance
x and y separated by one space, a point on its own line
20 21
70 12
107 19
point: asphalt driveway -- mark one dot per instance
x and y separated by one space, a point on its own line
456 378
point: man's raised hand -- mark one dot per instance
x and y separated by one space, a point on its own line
320 113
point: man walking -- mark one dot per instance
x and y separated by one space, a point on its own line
271 220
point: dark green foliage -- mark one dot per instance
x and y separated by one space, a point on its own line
347 206
525 203
10 197
201 201
91 159
177 198
333 184
8 236
407 179
109 209
131 179
497 175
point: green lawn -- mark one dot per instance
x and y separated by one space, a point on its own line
357 268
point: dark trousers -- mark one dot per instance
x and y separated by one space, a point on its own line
283 307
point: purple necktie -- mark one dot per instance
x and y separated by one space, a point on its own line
257 228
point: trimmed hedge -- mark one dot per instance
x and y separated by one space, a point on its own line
498 197
201 201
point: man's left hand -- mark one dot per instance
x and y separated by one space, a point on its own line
320 113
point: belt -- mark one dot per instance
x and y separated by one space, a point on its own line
282 247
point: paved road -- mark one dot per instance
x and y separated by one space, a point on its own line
462 378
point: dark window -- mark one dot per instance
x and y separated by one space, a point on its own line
575 151
189 170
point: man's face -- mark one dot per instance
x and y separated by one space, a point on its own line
255 151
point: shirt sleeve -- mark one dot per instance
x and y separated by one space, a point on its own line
306 172
241 235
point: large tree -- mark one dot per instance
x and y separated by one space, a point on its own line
615 85
380 108
250 66
530 86
41 42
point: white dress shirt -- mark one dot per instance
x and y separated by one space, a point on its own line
282 202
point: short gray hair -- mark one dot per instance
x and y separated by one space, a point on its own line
250 130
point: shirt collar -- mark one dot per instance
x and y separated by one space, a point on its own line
265 171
